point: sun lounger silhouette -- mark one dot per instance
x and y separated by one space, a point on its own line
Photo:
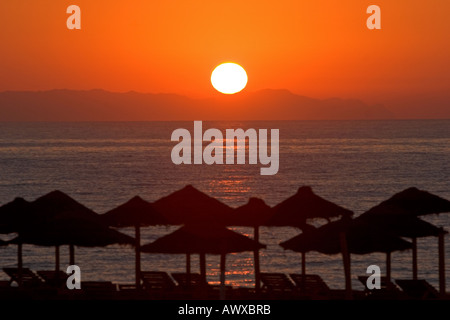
26 277
418 289
276 282
310 284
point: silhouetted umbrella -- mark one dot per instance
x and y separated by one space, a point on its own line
361 239
305 204
191 206
135 212
414 202
72 232
58 206
45 215
347 236
15 216
254 214
203 239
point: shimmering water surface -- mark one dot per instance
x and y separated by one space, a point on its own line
355 164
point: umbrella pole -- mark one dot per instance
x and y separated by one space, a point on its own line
388 267
203 266
72 254
347 271
222 276
441 265
137 233
414 257
57 259
188 269
303 270
256 260
19 263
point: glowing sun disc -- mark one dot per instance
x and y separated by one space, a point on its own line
229 78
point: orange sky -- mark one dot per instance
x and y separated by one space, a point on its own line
314 48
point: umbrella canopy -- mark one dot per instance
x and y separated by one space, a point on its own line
202 239
57 205
254 213
362 238
402 225
62 220
305 204
134 212
412 201
347 236
399 215
56 219
73 232
16 215
191 206
21 215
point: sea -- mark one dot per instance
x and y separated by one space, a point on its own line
355 164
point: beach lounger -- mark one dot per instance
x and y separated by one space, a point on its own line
97 289
29 278
195 279
157 280
310 284
388 290
276 282
53 278
384 284
418 289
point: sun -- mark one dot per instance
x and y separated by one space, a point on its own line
229 78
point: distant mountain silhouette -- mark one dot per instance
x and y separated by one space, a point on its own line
100 105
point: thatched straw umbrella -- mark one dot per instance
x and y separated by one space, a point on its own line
405 226
71 232
254 214
135 213
16 216
192 207
414 202
58 206
305 204
53 218
347 236
204 239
